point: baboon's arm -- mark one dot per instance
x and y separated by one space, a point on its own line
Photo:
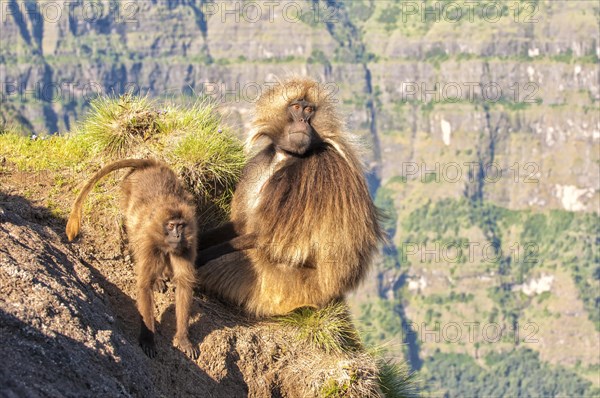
243 242
216 236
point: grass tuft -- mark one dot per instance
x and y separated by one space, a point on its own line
114 127
329 329
352 371
191 139
397 381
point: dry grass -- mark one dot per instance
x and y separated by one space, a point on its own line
116 127
330 330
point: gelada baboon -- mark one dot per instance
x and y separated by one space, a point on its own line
161 226
303 227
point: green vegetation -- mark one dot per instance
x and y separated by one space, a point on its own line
571 240
329 329
452 297
191 140
336 389
554 238
436 56
117 127
318 57
389 17
436 220
518 373
194 142
435 51
360 10
524 241
379 322
568 57
43 154
384 200
397 381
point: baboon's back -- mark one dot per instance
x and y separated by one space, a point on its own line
148 189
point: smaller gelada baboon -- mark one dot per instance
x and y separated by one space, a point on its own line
161 226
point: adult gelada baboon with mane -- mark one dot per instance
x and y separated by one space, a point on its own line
303 226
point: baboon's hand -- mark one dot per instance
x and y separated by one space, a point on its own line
186 346
160 286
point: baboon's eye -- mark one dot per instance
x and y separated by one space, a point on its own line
296 106
308 109
170 226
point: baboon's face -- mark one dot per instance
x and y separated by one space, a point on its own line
298 135
176 234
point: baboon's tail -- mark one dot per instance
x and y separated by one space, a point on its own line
74 223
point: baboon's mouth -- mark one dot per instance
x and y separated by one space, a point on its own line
299 142
299 135
174 245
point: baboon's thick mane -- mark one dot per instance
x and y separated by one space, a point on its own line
317 201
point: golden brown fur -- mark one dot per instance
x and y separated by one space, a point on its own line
310 218
153 201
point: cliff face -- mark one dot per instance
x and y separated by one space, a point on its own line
483 125
69 327
58 331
